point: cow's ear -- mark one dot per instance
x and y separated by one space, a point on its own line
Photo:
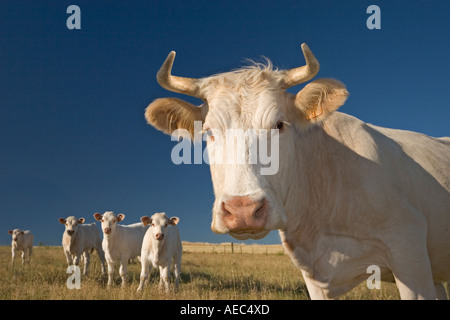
81 220
146 220
174 221
120 217
62 220
10 231
319 98
98 216
170 114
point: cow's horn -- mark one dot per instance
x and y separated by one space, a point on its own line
304 73
188 86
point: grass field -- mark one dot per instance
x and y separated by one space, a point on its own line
208 272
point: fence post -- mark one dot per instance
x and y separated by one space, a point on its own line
232 248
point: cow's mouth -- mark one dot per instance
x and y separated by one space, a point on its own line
244 234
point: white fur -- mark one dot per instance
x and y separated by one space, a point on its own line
84 239
122 243
21 241
161 253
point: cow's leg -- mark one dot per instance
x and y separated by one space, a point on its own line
409 260
145 270
13 257
87 261
110 273
123 271
440 291
24 255
164 277
101 255
177 270
76 259
315 292
412 271
68 258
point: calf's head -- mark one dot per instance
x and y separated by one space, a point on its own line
159 223
71 224
244 112
109 221
16 234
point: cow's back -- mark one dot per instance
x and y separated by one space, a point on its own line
90 236
28 237
132 237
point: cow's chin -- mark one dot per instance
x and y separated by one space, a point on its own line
246 234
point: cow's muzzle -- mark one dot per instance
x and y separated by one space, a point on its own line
245 216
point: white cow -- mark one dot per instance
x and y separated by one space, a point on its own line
21 241
160 248
346 195
120 242
81 239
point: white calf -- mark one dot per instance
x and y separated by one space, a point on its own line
161 247
120 243
81 239
21 241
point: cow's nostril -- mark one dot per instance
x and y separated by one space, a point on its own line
159 236
225 211
260 211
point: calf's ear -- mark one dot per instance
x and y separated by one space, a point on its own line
146 220
170 114
81 220
174 221
120 217
319 98
10 231
98 216
62 220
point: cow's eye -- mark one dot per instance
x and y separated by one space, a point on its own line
280 125
153 224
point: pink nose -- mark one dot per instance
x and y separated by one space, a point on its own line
107 230
243 213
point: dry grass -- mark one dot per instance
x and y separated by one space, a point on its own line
207 273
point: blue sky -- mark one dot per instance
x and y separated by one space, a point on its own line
73 138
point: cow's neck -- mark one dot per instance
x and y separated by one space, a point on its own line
71 241
316 182
157 249
114 237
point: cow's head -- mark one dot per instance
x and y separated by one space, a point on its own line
252 99
71 224
159 223
16 234
109 221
